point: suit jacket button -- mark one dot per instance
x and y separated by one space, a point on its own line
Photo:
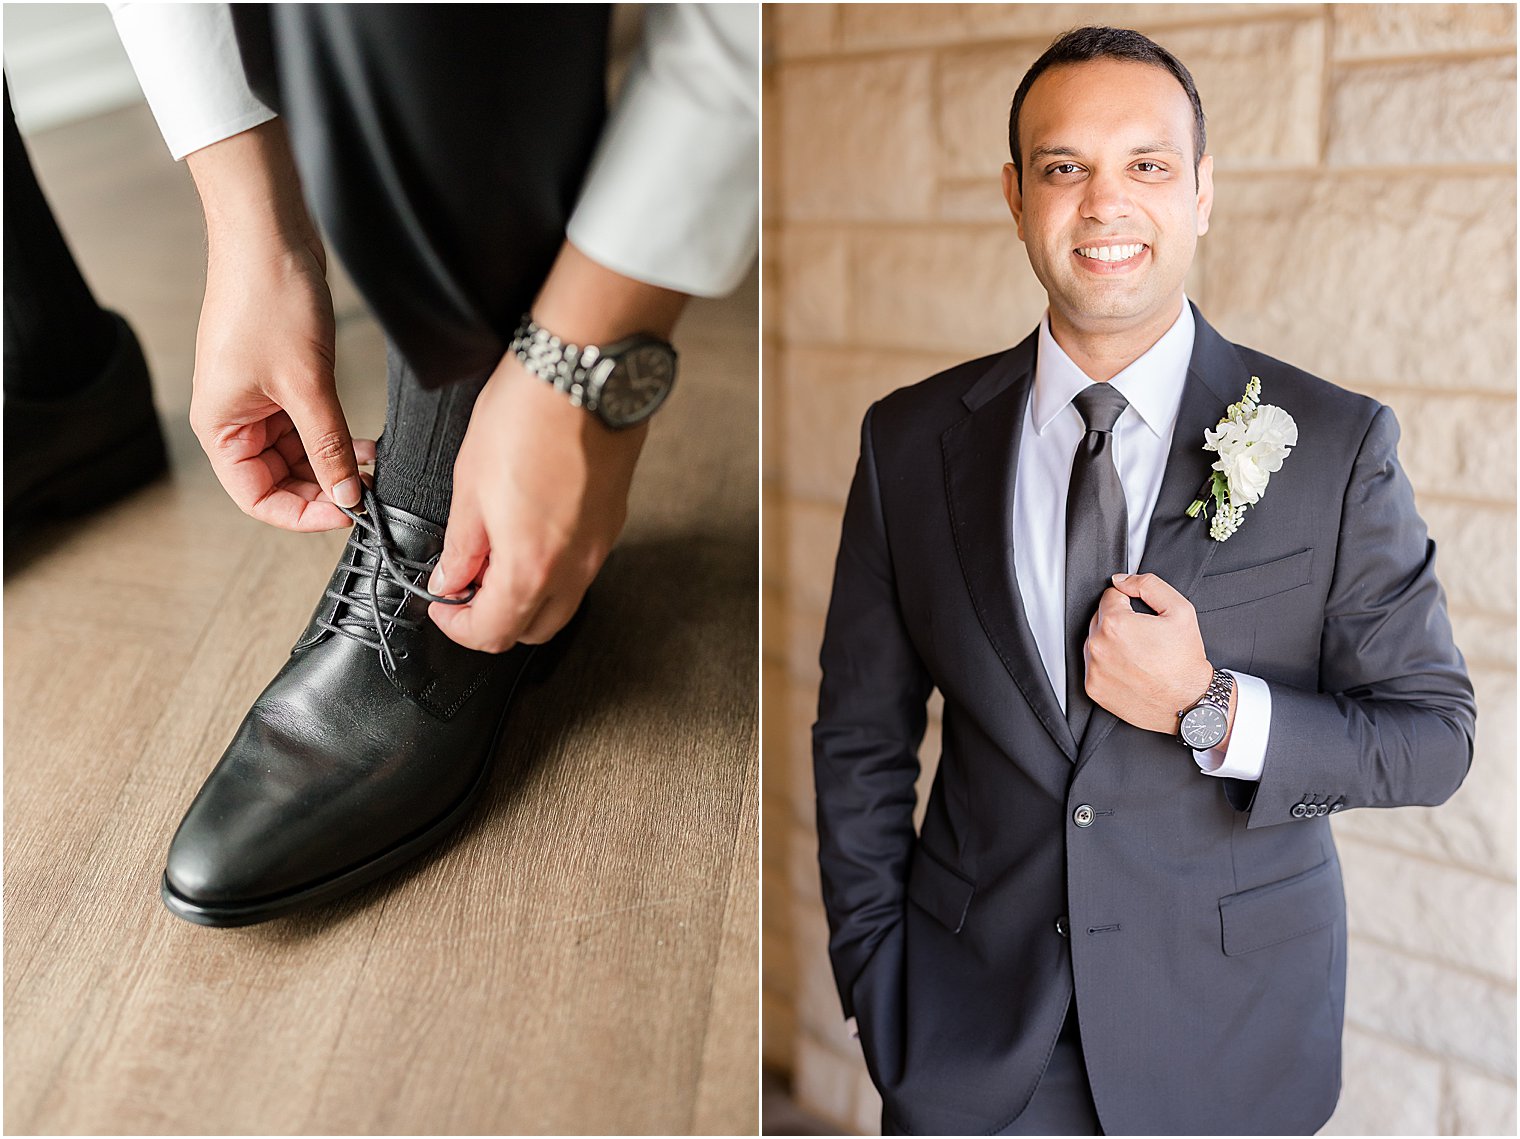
1322 809
1336 806
1299 810
1061 927
1083 815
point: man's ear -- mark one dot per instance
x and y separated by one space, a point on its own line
1205 192
1014 196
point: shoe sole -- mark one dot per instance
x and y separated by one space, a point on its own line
226 916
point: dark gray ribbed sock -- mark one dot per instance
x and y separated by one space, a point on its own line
414 460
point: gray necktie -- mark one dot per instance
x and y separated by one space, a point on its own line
1097 525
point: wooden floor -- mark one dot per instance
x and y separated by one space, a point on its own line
582 958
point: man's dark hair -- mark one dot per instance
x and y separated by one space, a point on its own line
1083 44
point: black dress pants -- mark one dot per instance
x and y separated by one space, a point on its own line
441 148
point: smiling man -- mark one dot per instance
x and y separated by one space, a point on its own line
1181 609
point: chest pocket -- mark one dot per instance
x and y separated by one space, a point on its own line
1253 583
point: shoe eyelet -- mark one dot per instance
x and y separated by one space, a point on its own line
402 655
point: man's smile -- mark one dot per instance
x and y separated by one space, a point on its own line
1110 257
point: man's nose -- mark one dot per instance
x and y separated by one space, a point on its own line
1107 198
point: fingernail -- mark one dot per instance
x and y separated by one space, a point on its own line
435 583
346 493
1118 577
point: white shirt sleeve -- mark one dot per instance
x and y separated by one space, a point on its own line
186 59
1247 753
672 197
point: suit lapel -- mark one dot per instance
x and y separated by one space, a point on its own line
981 454
1178 548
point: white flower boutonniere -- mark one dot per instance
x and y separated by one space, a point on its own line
1252 440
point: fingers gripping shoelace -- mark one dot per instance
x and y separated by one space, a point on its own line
364 613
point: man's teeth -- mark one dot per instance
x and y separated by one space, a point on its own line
1111 252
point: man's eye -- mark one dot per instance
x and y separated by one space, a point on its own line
1064 168
1154 167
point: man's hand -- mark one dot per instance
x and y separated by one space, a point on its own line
540 496
265 405
1146 668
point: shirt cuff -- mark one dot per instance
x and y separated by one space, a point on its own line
852 1026
672 197
1247 753
188 65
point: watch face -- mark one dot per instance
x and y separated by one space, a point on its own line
637 385
1203 727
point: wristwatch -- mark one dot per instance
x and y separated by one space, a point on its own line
1203 725
622 383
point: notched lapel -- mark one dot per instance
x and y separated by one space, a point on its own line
981 458
1178 548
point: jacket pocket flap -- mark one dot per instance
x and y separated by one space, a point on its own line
939 889
1281 911
1237 587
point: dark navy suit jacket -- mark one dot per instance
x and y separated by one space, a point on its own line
1204 935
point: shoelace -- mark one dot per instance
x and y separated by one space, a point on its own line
365 615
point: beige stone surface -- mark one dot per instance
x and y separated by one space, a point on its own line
1455 445
1442 1012
1434 112
1364 31
1425 907
815 528
1360 277
1385 1090
1486 639
874 26
856 141
1480 542
794 30
814 276
1478 1105
824 1081
1475 828
966 290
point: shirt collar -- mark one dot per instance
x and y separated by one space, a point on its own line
1153 384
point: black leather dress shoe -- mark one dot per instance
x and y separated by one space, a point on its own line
369 745
89 448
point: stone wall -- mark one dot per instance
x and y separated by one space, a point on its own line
1364 229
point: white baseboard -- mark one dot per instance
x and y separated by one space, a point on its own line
72 71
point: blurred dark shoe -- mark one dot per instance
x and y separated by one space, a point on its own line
67 456
369 745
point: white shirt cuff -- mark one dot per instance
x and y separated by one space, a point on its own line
672 197
1247 753
187 62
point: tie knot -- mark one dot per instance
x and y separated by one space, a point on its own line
1100 406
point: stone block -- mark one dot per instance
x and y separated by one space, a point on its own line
1362 278
814 546
773 643
827 394
1385 1090
857 139
774 538
967 290
802 863
1475 828
876 26
1487 639
778 1029
1442 1011
1369 31
1479 1105
823 1083
772 468
1442 111
1422 907
978 199
1475 546
804 638
1454 444
803 709
796 30
814 285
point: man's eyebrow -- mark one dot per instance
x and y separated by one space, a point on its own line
1157 146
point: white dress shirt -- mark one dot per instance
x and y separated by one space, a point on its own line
1048 442
672 195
